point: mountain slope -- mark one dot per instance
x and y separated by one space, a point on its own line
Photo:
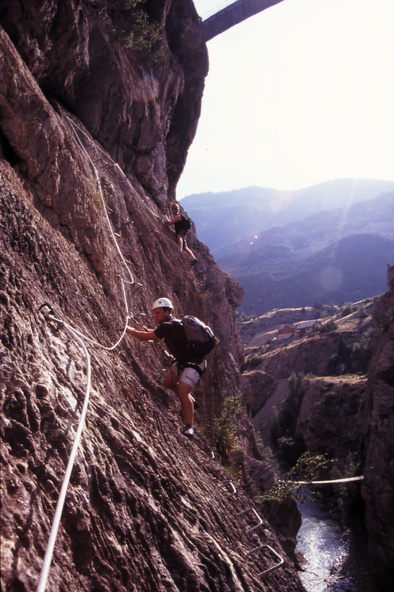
332 256
225 218
274 277
309 235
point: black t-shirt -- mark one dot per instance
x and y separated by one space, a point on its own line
179 227
175 340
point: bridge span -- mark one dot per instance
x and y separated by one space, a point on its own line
233 14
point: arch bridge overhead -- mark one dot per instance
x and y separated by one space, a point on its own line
233 14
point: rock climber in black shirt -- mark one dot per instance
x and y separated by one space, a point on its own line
187 370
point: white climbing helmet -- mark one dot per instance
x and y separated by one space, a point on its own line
162 303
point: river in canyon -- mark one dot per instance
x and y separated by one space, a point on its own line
336 558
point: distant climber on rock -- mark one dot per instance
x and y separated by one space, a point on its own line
181 226
189 355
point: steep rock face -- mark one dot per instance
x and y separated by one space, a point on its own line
257 387
133 73
378 487
328 419
310 355
284 516
145 510
349 417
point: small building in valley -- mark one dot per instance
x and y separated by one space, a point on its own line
286 331
307 327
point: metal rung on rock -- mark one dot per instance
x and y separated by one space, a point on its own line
257 516
234 491
274 567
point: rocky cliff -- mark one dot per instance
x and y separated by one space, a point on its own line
99 102
378 428
337 410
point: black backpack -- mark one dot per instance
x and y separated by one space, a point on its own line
184 223
200 337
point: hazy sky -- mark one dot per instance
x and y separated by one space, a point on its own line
299 94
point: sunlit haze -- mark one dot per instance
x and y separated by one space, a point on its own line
299 94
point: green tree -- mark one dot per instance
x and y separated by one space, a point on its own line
225 427
136 30
307 469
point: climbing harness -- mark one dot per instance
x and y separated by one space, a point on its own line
196 367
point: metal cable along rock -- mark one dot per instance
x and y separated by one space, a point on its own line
59 507
329 482
50 315
112 165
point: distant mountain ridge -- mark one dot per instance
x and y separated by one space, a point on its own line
350 270
330 243
306 236
225 218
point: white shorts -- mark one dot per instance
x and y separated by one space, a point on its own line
188 375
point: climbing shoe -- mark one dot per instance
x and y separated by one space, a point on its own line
188 431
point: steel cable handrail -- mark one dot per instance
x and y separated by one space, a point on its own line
102 198
62 496
328 482
112 347
88 339
115 164
79 337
